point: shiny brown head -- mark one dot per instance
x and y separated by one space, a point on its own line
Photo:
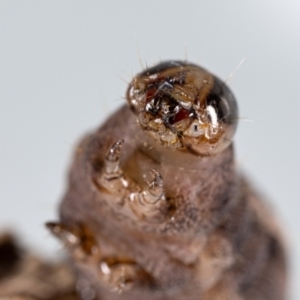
184 107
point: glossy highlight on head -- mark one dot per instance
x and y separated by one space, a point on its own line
184 107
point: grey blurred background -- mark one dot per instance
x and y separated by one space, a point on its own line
63 68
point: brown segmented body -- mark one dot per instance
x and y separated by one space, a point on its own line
155 208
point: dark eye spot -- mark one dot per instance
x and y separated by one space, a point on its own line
150 93
181 115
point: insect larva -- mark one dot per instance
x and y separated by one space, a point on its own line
155 207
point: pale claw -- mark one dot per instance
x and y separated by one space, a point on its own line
119 277
150 204
80 241
155 191
111 177
112 159
69 238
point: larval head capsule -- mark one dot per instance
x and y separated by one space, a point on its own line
197 111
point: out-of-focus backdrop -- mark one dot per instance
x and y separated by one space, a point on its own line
63 68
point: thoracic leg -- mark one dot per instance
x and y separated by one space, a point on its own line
147 203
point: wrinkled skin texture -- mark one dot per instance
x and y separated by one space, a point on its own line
155 208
